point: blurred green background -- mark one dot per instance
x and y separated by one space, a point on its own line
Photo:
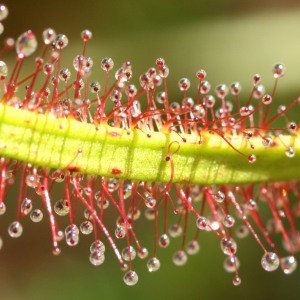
232 40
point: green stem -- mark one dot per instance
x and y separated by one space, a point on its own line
67 144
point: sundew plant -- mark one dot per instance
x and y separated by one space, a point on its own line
124 149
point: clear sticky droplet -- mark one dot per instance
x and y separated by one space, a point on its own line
2 208
15 229
184 84
270 261
164 241
61 207
153 264
192 247
97 258
131 278
86 227
221 90
290 152
278 70
180 258
3 12
3 70
1 243
61 41
49 36
97 246
128 253
26 44
72 239
175 230
236 280
228 246
288 264
143 253
120 232
231 264
202 223
219 196
36 215
235 88
86 35
251 158
228 221
107 64
26 206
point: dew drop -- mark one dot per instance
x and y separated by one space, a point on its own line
36 215
231 264
131 278
3 70
97 246
26 44
26 206
107 64
48 36
290 151
164 241
192 247
61 41
128 253
270 261
2 208
97 258
288 264
180 258
202 223
228 246
153 264
61 207
86 227
15 229
3 12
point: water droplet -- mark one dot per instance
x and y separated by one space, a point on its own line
15 229
236 280
175 230
153 264
97 246
192 247
26 44
107 64
180 258
228 221
86 227
288 264
61 41
143 253
3 12
2 208
61 207
290 151
26 206
202 223
184 84
3 70
270 261
86 35
278 70
131 278
97 258
231 264
164 241
228 246
128 253
48 36
36 215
